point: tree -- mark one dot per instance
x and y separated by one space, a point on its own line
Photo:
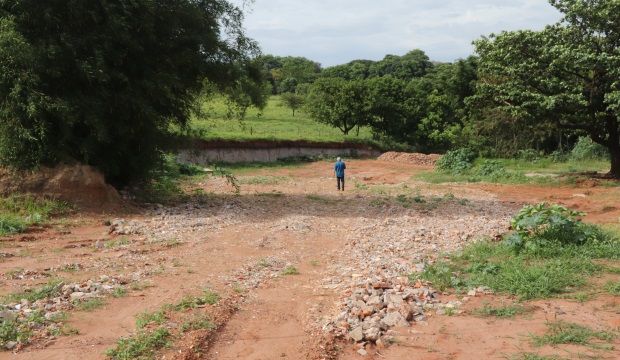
390 115
340 103
353 70
286 73
102 81
411 65
292 101
562 77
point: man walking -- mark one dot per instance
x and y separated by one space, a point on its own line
339 172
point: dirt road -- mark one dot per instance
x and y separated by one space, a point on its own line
242 246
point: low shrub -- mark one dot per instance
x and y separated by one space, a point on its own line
586 149
456 161
536 226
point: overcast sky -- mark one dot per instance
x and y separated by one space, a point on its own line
334 32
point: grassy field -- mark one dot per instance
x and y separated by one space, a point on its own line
276 122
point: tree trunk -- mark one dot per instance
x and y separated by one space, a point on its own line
615 162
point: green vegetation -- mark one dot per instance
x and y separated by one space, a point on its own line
537 227
613 287
20 329
274 122
541 264
50 290
192 301
561 332
154 329
145 319
73 118
143 345
503 312
516 87
263 180
196 322
290 270
543 171
19 212
120 242
90 304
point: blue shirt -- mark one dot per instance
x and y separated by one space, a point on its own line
339 168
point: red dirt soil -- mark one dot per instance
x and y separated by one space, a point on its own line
273 320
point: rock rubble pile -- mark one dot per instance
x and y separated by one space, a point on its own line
384 256
409 158
40 317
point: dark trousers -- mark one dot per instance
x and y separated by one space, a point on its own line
340 180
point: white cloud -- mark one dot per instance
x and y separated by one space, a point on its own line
334 32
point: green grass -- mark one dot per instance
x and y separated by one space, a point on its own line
547 166
51 289
502 312
144 319
520 274
119 292
561 332
113 243
192 301
90 304
263 180
531 356
516 169
197 322
275 122
140 285
18 212
143 345
154 328
21 329
290 270
613 287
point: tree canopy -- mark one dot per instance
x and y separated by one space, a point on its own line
565 76
340 103
102 81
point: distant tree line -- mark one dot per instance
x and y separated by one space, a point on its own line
539 90
109 83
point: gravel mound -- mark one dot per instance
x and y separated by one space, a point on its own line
409 158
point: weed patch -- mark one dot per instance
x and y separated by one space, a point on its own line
141 345
290 270
154 329
561 332
503 312
90 304
549 267
51 289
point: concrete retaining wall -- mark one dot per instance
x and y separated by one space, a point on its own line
209 153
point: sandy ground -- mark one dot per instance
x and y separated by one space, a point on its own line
297 217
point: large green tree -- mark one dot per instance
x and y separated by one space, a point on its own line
104 81
340 103
413 64
564 77
286 73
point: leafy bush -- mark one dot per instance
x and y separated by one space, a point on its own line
492 168
11 225
142 345
543 224
559 156
528 155
456 161
586 149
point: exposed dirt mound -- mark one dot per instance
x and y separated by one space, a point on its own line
409 158
77 184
